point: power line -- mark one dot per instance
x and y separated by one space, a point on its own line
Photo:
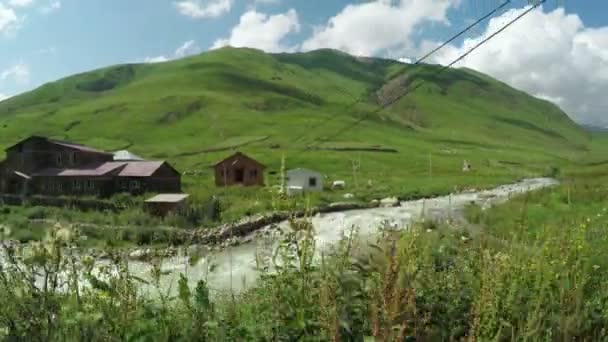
491 13
451 39
388 103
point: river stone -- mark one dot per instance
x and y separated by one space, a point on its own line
389 202
140 254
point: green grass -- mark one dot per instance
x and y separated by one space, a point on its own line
538 270
232 98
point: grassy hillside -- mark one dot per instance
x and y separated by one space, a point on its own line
194 111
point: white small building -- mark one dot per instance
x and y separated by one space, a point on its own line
125 155
303 180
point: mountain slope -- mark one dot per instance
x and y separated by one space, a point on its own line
178 110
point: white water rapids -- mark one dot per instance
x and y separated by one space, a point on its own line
234 267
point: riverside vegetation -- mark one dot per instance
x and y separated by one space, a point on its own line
521 271
536 271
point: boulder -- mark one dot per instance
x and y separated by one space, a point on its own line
389 202
348 196
140 254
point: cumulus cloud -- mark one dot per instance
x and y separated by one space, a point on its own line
8 18
373 27
551 55
19 73
186 49
262 31
203 8
20 3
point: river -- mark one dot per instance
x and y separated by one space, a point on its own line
234 267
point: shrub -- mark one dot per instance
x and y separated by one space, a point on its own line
37 212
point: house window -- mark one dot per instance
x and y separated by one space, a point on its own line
312 181
72 158
253 173
59 186
135 185
59 159
90 185
123 184
76 184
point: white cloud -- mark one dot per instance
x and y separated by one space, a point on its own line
550 55
19 73
187 49
3 97
20 3
204 8
262 31
157 59
370 28
53 6
8 18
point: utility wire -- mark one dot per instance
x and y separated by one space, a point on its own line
461 57
427 55
491 13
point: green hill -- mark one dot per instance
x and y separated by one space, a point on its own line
193 111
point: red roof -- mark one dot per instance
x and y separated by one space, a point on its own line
125 169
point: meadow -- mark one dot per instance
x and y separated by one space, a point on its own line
317 110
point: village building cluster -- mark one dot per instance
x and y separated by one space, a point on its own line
42 166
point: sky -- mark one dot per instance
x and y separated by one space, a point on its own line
558 52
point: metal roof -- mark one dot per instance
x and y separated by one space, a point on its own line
22 175
91 170
140 168
168 198
125 155
301 169
126 169
238 155
68 144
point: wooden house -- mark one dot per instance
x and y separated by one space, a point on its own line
239 169
38 165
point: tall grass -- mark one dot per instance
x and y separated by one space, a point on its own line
423 284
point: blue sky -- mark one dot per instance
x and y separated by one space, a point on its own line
44 40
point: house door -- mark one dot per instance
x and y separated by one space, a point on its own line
239 175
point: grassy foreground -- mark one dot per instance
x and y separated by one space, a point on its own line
538 271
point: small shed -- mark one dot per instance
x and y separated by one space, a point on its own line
239 169
303 180
163 204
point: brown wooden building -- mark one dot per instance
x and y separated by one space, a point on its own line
38 165
239 169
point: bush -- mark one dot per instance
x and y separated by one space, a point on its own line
37 212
